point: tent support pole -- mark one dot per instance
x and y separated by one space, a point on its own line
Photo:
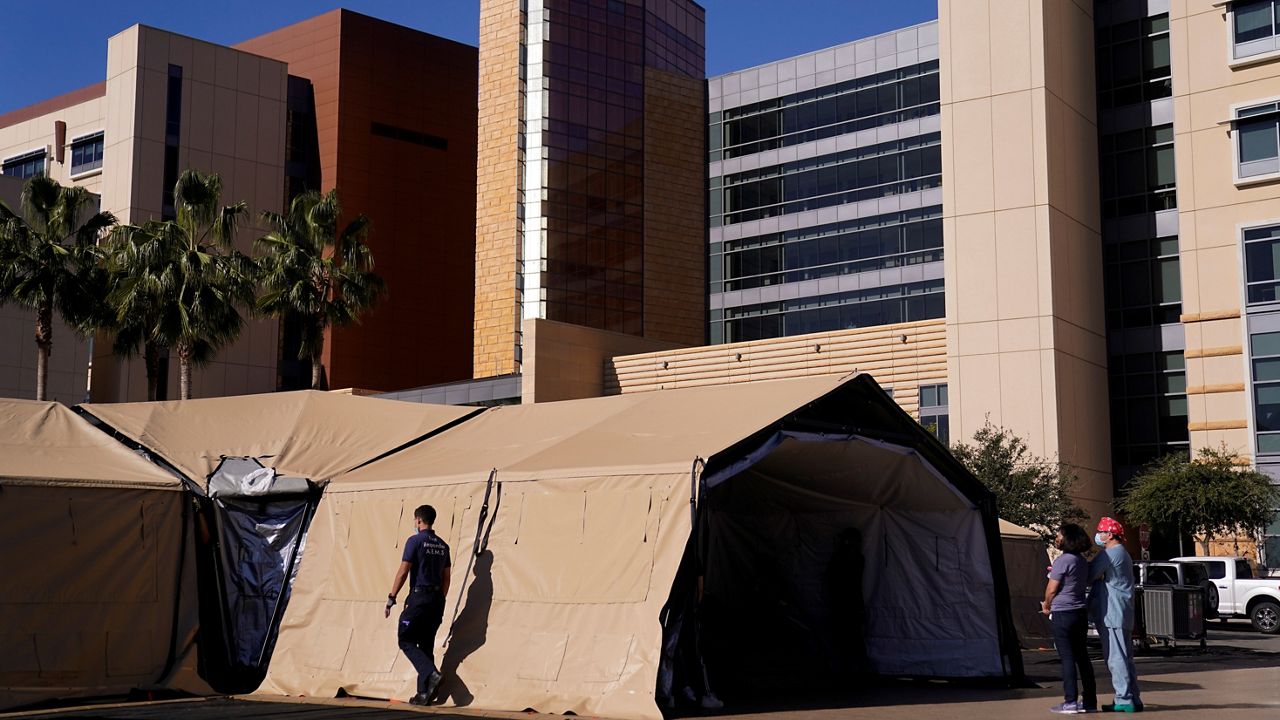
478 545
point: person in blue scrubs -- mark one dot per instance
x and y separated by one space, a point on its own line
1111 601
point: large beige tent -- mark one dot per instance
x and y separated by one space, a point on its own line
256 464
97 589
306 433
568 522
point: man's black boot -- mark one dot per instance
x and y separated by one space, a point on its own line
433 682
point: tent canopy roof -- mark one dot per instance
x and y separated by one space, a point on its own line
654 432
1008 529
307 433
47 443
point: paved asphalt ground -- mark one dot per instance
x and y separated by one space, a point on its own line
1236 678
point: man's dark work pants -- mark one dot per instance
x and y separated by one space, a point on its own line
423 611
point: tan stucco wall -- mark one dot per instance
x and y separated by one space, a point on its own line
233 118
900 357
568 362
1212 211
232 123
1025 328
82 119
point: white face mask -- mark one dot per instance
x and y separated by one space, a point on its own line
1097 539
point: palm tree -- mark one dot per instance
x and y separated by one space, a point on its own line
142 281
178 282
317 273
48 261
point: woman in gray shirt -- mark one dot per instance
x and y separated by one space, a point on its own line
1064 603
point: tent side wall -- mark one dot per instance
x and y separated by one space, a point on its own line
1025 561
558 612
97 596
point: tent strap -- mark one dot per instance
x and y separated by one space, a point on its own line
478 546
695 474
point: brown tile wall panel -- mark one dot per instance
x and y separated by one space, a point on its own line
497 168
311 49
675 214
421 199
901 357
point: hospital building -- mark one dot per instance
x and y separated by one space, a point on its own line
1059 216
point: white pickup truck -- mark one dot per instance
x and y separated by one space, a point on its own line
1242 595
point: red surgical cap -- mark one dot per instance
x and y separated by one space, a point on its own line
1110 525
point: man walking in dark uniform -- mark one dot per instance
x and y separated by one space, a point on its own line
426 565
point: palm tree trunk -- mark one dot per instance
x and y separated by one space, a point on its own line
184 372
317 373
318 379
44 347
151 358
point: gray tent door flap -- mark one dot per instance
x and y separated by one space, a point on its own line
262 520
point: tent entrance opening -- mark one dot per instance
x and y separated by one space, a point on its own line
827 562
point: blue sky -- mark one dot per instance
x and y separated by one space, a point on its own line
54 47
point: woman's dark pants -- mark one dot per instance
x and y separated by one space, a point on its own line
1070 628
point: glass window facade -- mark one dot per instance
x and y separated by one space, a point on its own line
934 413
1137 172
1255 27
763 276
86 153
1133 62
1148 408
1271 542
1262 264
301 148
1257 131
25 166
1264 358
1262 277
834 311
1142 283
1141 274
172 130
855 246
868 102
1143 289
583 201
864 173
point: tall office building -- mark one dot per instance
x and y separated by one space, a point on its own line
384 113
1109 238
590 165
391 114
825 200
168 103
